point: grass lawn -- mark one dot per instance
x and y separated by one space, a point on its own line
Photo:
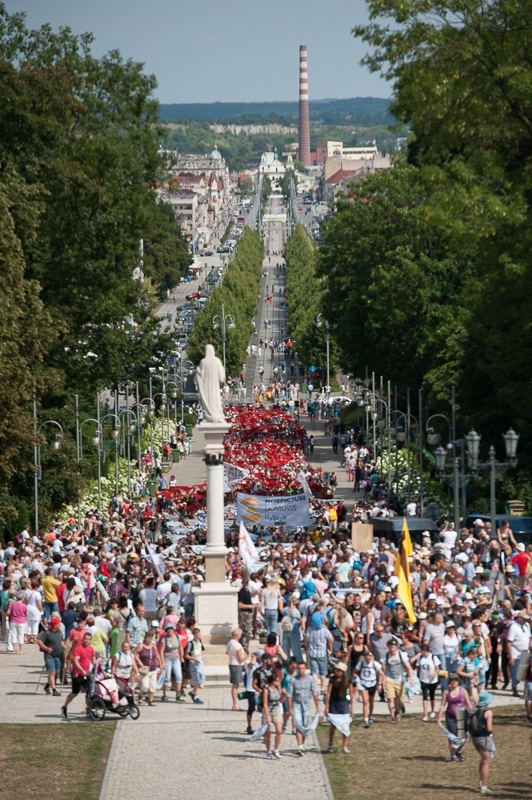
408 761
66 761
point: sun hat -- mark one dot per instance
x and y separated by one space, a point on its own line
520 546
450 624
341 666
484 699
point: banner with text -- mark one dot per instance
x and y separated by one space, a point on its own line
290 510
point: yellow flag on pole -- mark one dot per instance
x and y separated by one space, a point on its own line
402 570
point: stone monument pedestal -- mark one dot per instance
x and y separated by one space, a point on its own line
216 612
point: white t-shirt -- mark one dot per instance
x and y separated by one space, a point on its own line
368 673
519 638
449 538
233 648
427 665
271 603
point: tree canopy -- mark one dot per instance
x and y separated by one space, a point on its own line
79 137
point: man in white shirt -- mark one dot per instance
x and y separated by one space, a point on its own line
518 642
411 508
449 536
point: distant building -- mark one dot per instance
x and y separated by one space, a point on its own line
271 166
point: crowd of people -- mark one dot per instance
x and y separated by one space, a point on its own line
116 593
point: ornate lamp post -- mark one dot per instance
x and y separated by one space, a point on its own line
492 466
56 446
320 322
222 320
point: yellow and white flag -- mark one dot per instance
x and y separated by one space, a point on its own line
402 570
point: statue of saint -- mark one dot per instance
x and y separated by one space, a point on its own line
209 375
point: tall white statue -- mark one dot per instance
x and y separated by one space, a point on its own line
209 375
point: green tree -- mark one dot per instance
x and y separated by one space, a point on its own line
393 285
238 294
462 79
166 255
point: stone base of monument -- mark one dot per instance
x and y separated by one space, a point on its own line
216 612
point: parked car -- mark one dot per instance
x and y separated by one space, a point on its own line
521 527
193 296
208 253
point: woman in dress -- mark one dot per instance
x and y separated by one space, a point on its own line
337 706
33 599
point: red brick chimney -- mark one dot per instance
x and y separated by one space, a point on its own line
304 125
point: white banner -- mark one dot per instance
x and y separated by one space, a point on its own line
233 475
246 548
158 561
303 481
290 510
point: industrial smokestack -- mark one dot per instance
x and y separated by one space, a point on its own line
304 125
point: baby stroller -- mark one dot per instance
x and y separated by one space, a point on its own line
114 695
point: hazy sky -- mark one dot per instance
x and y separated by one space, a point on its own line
223 50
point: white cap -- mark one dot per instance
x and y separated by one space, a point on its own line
479 522
432 596
520 546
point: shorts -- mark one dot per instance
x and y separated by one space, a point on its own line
371 690
428 690
528 691
80 683
483 744
276 714
235 674
395 690
173 671
318 665
52 663
148 683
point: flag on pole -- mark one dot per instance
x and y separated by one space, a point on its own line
402 570
246 548
304 483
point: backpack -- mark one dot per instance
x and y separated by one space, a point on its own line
476 722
